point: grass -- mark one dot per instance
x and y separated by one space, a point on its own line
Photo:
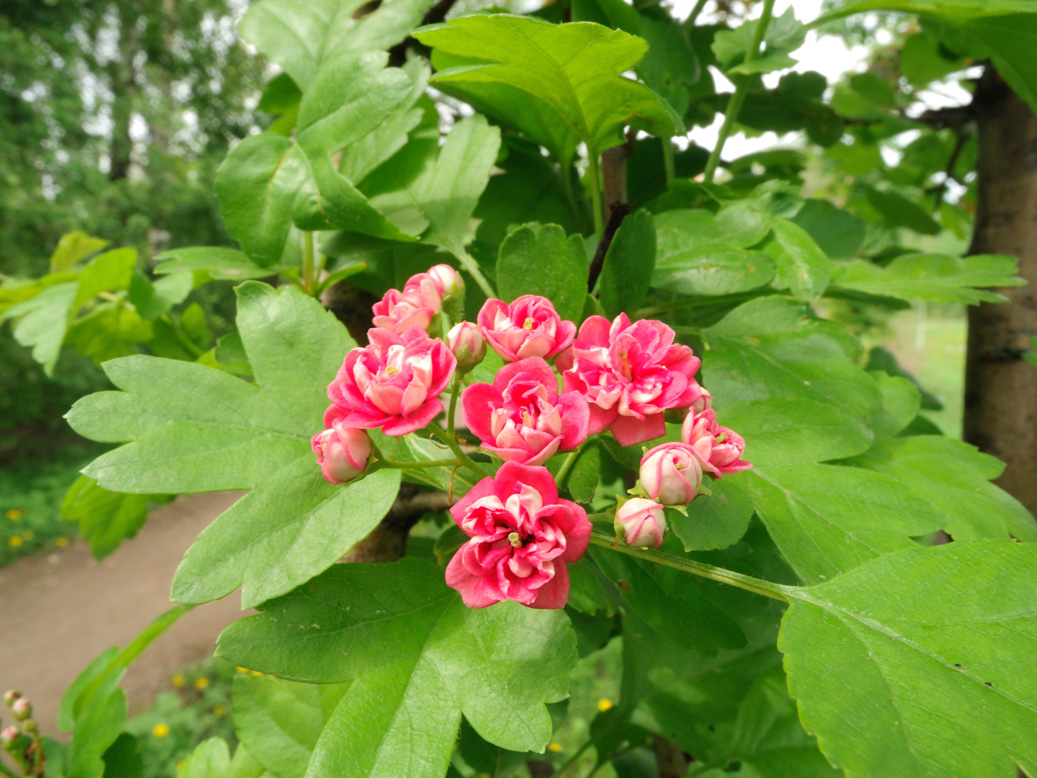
31 493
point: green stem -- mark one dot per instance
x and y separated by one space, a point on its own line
5 770
185 341
307 263
594 176
386 462
451 412
468 263
573 759
689 23
741 90
567 465
668 166
729 577
452 444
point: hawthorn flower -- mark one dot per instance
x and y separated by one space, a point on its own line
394 383
418 303
718 448
529 327
522 535
630 374
521 417
467 343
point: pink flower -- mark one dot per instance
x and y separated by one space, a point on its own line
21 710
447 280
529 327
671 473
342 452
630 374
718 448
420 300
642 522
522 418
467 343
394 383
522 535
9 735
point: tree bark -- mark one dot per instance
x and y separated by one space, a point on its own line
1000 386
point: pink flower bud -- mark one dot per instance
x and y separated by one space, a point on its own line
671 473
9 735
342 452
21 709
467 343
642 522
703 403
447 280
10 696
718 448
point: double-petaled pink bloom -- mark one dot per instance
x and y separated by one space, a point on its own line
630 374
419 302
521 417
394 383
718 448
522 536
529 327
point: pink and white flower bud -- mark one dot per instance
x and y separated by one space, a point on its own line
10 696
704 402
9 735
467 343
21 710
719 449
447 280
671 473
342 452
642 522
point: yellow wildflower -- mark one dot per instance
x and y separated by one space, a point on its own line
202 683
15 541
605 704
160 730
14 514
178 680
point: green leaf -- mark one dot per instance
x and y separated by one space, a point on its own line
838 233
801 265
279 721
897 211
218 262
700 253
955 478
935 277
192 428
922 60
783 36
629 263
110 272
123 758
573 70
111 330
892 662
211 759
155 299
901 402
770 348
44 320
73 247
827 519
540 259
671 67
715 521
585 474
417 659
105 518
301 39
689 612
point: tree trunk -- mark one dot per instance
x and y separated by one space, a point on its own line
1000 386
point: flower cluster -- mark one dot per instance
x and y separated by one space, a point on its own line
620 377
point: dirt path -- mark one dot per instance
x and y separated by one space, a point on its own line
60 610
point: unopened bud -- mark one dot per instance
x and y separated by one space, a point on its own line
9 735
671 473
342 452
21 710
703 403
467 343
642 522
447 279
10 696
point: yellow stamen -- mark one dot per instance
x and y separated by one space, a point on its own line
514 539
528 323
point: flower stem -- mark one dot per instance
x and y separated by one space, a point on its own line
567 465
594 176
386 462
452 444
741 90
689 23
468 263
307 263
452 411
729 577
